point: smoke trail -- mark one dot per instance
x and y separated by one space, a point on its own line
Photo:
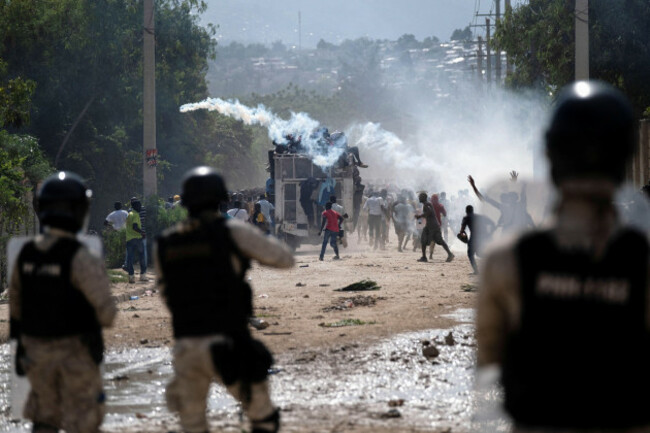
299 125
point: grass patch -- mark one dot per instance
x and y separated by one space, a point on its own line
360 286
117 276
267 316
346 322
469 288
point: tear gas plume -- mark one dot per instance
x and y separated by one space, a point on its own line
472 132
298 125
485 135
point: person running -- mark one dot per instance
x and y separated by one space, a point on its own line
480 229
330 223
564 312
376 207
402 218
342 225
202 264
431 232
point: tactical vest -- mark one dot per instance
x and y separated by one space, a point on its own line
50 305
203 292
583 346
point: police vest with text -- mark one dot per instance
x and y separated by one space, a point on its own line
204 293
51 306
583 346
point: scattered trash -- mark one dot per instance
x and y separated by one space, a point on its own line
140 415
306 296
263 296
144 341
396 403
148 293
304 266
359 286
259 324
430 352
277 333
275 370
300 285
323 285
393 413
136 316
120 378
133 298
346 322
449 339
469 288
356 301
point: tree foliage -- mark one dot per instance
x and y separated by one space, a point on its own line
83 61
539 37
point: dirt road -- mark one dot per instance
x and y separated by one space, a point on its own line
319 334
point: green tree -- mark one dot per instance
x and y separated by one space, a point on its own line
86 60
540 41
462 35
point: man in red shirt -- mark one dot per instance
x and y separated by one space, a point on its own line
438 208
330 222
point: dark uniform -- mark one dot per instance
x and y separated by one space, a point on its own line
59 302
202 264
565 312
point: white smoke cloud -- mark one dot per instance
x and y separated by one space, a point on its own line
299 125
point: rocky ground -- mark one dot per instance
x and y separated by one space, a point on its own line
387 334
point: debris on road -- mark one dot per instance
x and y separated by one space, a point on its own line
449 339
357 301
430 352
346 322
469 287
300 285
392 413
359 286
258 324
396 403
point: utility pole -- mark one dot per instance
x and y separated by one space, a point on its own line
508 14
489 53
582 39
150 152
479 57
497 57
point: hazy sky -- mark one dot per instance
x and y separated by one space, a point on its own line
335 20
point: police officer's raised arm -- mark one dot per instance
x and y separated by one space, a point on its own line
256 245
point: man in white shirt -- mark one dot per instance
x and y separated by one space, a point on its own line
239 212
375 206
268 210
116 219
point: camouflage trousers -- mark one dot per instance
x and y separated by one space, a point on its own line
194 371
66 385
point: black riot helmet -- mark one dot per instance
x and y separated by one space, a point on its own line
63 201
592 133
203 189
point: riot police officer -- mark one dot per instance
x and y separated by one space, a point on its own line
564 312
59 302
201 266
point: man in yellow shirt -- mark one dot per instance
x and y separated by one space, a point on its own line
135 242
